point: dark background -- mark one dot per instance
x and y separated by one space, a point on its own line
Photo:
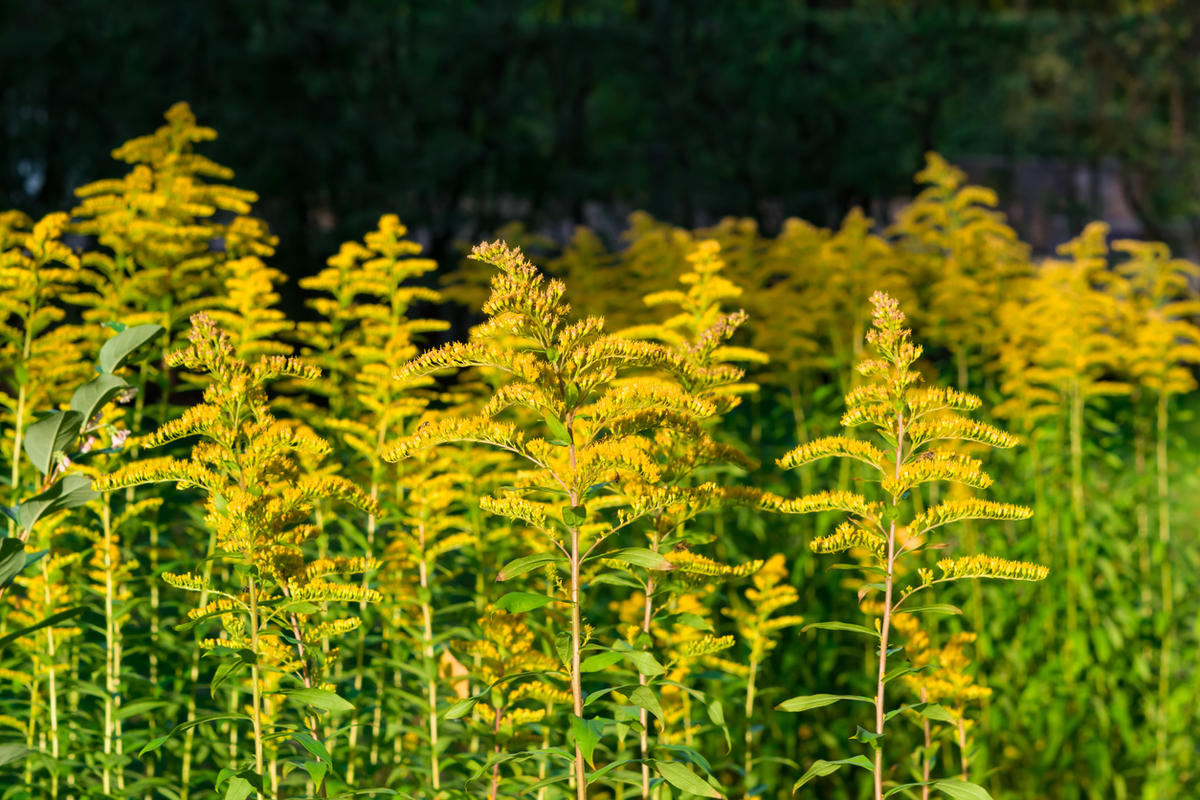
461 116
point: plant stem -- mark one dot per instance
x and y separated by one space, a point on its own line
883 644
751 687
885 625
256 684
430 665
643 714
110 678
926 761
1077 500
962 747
495 789
189 736
576 621
1168 587
576 683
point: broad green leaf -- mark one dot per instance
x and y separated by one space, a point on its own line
586 733
93 395
807 701
961 790
317 770
49 435
935 712
12 752
117 350
679 776
640 557
461 708
644 697
841 626
12 558
644 663
716 715
239 789
320 698
520 602
935 608
159 741
312 745
694 621
868 737
822 767
574 516
71 491
526 563
53 619
224 672
599 661
557 429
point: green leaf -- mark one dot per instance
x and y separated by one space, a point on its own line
12 559
696 621
239 789
159 741
586 733
868 737
644 663
520 602
599 661
320 698
961 790
899 672
683 778
312 745
70 492
822 767
49 435
641 557
93 395
841 626
936 608
317 770
224 672
644 697
557 429
53 619
526 563
12 752
117 350
574 516
461 708
935 712
808 701
716 715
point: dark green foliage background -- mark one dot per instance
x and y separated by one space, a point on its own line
462 115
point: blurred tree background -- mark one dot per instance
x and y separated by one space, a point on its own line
460 115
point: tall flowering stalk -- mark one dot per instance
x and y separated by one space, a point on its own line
259 503
915 427
586 412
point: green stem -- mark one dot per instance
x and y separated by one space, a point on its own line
1168 587
256 685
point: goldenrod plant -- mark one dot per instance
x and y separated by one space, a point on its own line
917 428
589 438
943 687
258 505
1162 344
966 258
759 625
